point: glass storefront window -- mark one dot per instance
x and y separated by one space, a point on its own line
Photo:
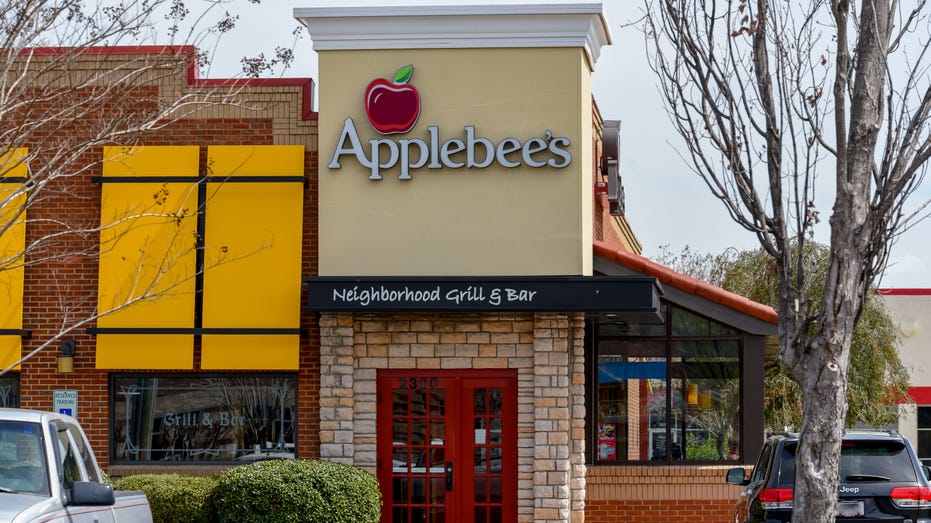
632 402
685 323
674 396
9 391
216 418
708 383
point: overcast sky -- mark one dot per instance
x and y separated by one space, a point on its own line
666 204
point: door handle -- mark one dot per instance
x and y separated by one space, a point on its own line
449 475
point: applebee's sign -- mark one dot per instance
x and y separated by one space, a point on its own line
393 107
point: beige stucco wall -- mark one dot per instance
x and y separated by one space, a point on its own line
912 316
478 221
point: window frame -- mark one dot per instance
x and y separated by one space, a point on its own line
67 454
920 446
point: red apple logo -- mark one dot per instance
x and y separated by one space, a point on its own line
393 107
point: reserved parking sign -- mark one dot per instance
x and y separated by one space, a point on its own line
65 402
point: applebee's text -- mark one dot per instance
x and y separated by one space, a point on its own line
471 294
478 152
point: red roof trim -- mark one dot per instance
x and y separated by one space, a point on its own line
920 395
686 283
904 292
109 49
193 73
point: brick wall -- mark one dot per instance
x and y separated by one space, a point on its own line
654 510
613 230
62 287
659 493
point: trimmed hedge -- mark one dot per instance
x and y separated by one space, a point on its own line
175 498
279 491
297 491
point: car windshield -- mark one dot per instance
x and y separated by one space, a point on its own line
22 460
860 461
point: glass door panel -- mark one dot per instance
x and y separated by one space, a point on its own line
487 415
490 412
418 449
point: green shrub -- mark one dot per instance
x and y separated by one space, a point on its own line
297 491
143 482
174 498
350 494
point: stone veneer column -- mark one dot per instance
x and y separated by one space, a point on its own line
559 412
336 383
577 401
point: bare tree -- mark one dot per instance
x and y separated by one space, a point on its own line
767 96
62 99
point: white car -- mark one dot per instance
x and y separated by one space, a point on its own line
48 473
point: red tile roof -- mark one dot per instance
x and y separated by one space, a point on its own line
685 283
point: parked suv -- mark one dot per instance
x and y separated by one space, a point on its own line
881 480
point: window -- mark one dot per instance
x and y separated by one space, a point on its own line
759 470
203 418
68 454
924 434
22 458
667 394
83 451
9 390
887 459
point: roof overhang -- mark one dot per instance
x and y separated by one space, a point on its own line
345 27
695 302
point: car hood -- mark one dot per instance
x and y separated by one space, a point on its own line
11 505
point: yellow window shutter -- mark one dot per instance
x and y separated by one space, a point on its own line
147 257
252 257
13 173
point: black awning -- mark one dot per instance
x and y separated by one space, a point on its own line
483 294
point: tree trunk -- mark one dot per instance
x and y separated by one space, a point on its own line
817 460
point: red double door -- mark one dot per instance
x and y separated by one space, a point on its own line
447 446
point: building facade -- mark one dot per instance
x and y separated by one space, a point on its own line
910 309
430 278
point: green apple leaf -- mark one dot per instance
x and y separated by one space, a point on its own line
404 74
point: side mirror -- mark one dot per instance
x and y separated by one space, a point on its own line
735 476
90 493
927 470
